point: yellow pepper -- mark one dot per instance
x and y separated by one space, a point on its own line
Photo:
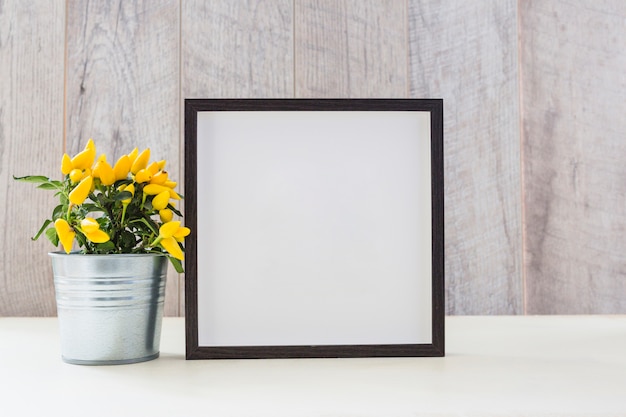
132 156
84 159
66 164
143 175
154 189
159 178
160 201
153 168
77 175
104 171
122 168
81 191
141 162
181 233
131 189
107 175
168 233
166 215
91 228
65 233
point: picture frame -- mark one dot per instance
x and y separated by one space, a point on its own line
317 228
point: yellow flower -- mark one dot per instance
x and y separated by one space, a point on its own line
65 233
122 168
81 191
141 162
91 228
160 201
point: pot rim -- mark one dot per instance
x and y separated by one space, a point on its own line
110 255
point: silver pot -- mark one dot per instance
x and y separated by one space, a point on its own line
110 307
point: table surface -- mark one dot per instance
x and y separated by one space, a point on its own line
494 366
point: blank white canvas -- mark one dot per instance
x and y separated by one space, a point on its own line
314 228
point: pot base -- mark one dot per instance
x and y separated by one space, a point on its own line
111 362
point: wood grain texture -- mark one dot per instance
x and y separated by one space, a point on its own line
237 49
466 53
574 90
129 65
31 141
350 48
123 85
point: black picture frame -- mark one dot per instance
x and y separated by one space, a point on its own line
200 350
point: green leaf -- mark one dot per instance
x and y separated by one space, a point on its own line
90 208
45 224
101 200
171 207
148 222
58 212
82 241
128 239
124 195
51 234
177 264
32 178
47 186
105 247
122 182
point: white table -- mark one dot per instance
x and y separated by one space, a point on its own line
495 366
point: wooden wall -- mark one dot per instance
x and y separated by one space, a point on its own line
574 107
533 99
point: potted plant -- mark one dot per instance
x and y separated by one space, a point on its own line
115 224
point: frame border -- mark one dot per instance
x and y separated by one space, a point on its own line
434 349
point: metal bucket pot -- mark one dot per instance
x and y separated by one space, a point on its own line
110 307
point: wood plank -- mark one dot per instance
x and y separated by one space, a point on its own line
466 53
123 85
236 49
350 48
574 92
31 142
